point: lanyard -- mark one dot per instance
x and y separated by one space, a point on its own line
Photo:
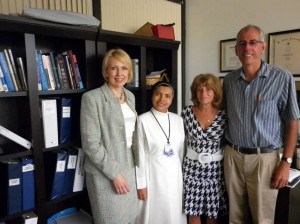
168 138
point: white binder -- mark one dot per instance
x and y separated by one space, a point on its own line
49 115
14 137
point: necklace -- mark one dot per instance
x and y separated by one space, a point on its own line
122 96
167 137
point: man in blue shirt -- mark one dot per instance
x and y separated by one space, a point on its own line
261 104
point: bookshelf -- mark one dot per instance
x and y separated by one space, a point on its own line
20 111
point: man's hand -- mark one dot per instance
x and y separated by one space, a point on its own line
281 175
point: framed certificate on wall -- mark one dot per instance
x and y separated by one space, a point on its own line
284 50
228 59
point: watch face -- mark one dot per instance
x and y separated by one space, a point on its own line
288 160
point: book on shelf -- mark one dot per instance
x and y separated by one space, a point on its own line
70 170
10 187
1 86
78 71
55 166
64 119
44 80
38 73
294 178
54 68
135 74
49 117
14 137
79 178
6 72
62 72
49 72
12 70
22 73
3 81
69 70
28 183
73 68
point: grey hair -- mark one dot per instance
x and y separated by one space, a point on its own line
250 26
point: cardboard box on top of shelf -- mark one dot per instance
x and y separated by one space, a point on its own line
145 30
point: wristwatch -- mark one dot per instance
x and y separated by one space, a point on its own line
287 159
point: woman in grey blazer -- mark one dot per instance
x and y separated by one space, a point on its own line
107 122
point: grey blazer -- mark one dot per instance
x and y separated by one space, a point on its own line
103 137
103 132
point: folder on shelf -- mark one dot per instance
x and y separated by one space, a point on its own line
79 172
10 186
28 183
64 120
55 166
14 137
50 127
70 170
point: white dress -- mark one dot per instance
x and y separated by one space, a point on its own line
161 174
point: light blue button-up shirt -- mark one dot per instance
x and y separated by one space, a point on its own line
258 111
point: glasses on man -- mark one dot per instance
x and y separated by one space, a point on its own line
252 43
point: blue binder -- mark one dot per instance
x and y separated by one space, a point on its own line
70 170
28 183
10 187
55 165
64 122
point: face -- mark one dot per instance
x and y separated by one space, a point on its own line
162 98
205 95
117 73
249 48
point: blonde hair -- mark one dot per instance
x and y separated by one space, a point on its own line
121 56
211 82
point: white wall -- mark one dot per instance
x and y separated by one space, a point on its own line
209 21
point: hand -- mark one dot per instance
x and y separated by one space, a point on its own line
142 194
120 184
280 176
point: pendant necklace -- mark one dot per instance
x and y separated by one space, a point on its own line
168 151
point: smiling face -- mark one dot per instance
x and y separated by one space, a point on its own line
205 95
249 47
117 73
162 98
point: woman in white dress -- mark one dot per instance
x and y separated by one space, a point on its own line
161 147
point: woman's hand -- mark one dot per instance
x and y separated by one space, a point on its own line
142 194
120 184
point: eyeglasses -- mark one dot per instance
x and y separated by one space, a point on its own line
252 43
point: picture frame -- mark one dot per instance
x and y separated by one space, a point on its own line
284 50
228 59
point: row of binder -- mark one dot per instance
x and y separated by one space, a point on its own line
64 172
56 115
17 185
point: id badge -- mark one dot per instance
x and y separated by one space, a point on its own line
168 151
